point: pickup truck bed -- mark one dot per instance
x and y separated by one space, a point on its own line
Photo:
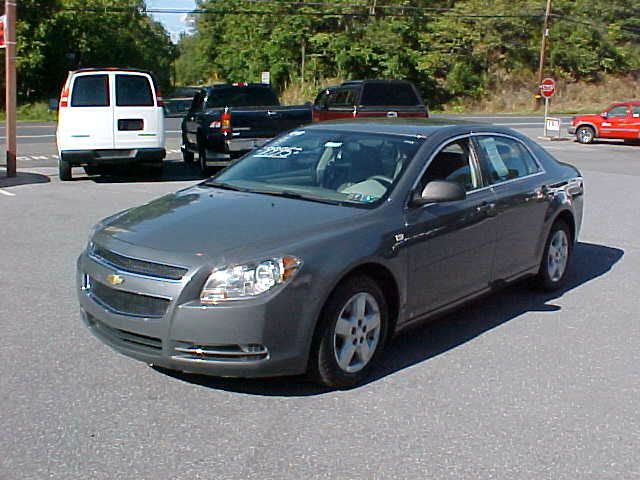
220 133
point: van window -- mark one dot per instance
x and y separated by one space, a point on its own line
400 94
133 91
90 91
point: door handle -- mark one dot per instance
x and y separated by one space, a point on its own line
487 208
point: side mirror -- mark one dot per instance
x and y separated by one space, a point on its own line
439 191
604 114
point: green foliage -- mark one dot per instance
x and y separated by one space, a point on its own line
54 36
451 49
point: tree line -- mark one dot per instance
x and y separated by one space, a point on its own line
55 36
450 49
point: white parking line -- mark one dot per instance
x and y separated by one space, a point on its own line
8 194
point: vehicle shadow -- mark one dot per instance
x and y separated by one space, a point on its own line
171 172
22 178
427 340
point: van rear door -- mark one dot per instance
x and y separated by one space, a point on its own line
138 120
87 123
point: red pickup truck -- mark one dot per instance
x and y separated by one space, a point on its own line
369 98
621 120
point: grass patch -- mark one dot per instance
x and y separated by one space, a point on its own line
33 112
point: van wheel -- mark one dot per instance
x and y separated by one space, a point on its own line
64 170
351 334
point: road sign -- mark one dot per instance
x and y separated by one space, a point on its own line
553 125
3 19
548 87
265 78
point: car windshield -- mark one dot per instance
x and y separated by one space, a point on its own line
328 166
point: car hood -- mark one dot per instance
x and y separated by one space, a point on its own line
209 221
587 118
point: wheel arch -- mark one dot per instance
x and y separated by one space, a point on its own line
385 280
596 133
567 217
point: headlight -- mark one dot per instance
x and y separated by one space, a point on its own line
248 280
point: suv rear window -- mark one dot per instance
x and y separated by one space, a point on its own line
241 97
401 94
133 91
90 91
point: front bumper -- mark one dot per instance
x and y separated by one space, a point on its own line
266 336
113 157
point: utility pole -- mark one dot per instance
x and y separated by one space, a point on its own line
10 72
543 49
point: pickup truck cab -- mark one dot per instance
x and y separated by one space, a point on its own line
369 98
621 120
228 120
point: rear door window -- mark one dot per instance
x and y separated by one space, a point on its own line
241 97
344 97
504 159
90 91
378 94
133 91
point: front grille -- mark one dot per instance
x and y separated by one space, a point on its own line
141 267
133 340
127 303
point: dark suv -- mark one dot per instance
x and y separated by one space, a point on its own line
369 98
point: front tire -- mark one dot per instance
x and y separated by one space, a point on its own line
351 334
585 134
552 273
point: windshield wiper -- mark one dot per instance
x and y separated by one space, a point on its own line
296 195
225 186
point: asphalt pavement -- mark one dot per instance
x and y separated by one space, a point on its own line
519 385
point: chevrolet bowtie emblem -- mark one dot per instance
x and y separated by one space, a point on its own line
114 279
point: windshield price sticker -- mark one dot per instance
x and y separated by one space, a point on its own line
489 145
278 152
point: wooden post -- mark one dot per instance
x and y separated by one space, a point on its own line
10 73
543 48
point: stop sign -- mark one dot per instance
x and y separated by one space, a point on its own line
548 87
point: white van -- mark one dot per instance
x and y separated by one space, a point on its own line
109 117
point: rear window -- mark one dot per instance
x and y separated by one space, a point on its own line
90 91
241 97
133 91
389 94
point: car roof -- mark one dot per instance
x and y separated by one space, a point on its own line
408 126
111 69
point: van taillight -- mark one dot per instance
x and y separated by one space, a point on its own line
225 121
64 96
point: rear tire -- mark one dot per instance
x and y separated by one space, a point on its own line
350 335
64 170
188 157
202 159
585 134
554 265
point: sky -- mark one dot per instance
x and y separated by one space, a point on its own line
175 23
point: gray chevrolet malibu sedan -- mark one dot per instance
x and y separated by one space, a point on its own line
310 252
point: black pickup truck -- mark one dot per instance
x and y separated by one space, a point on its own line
229 119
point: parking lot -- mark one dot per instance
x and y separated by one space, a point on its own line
518 385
